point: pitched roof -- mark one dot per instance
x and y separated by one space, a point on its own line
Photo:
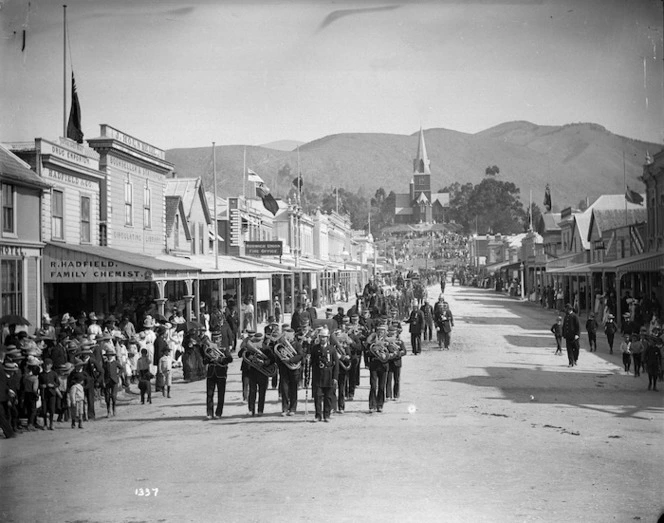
402 204
549 222
13 169
173 206
609 219
443 198
188 189
605 202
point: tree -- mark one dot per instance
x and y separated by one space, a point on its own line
494 206
492 170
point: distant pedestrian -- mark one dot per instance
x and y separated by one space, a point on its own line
625 349
444 324
591 328
557 330
166 369
416 322
652 358
610 329
637 353
571 332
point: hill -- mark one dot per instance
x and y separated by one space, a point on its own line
577 160
282 145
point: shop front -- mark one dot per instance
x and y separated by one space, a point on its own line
111 281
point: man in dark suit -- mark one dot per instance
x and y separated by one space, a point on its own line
378 368
325 364
571 333
289 377
217 372
416 321
393 385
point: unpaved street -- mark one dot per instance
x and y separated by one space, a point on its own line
496 429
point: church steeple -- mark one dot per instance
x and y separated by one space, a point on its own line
421 164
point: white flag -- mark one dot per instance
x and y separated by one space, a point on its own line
253 177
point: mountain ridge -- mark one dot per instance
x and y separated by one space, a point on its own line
576 160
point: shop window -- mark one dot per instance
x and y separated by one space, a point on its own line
11 287
147 207
58 215
129 203
85 219
8 209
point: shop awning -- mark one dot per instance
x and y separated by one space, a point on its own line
646 262
229 266
573 270
497 266
67 263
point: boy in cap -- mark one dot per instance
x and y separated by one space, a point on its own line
610 329
591 327
166 370
557 330
112 371
76 394
49 384
144 376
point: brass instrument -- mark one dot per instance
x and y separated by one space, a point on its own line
285 351
256 358
344 340
379 350
214 353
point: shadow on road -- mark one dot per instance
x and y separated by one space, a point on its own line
518 385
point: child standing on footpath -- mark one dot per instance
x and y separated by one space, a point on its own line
610 331
166 368
591 327
625 348
557 329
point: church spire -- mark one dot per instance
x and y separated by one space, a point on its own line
421 164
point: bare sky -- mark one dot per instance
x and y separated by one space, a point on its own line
186 73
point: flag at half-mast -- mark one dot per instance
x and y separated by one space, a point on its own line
633 196
547 198
263 192
74 129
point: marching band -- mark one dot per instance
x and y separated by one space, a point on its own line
323 360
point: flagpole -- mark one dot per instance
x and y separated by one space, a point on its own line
625 182
214 221
244 173
530 212
337 200
64 72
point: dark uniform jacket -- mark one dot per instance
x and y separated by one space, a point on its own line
416 321
324 365
218 368
571 327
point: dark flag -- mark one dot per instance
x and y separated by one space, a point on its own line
547 198
633 196
74 130
263 192
297 183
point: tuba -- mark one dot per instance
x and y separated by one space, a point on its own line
342 341
380 351
285 351
256 358
214 353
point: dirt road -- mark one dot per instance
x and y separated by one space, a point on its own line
496 429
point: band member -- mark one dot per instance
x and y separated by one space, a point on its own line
325 367
358 334
272 332
341 342
378 367
416 321
397 350
216 357
262 358
444 323
290 370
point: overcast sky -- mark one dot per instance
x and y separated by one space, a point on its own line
186 73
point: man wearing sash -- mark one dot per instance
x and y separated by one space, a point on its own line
325 366
289 377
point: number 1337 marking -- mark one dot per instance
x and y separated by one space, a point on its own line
145 492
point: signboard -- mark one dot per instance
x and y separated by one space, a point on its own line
264 248
75 267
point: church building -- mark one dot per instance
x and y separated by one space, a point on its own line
419 205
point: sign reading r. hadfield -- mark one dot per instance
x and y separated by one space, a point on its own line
78 268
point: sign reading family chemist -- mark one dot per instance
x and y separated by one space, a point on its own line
90 269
